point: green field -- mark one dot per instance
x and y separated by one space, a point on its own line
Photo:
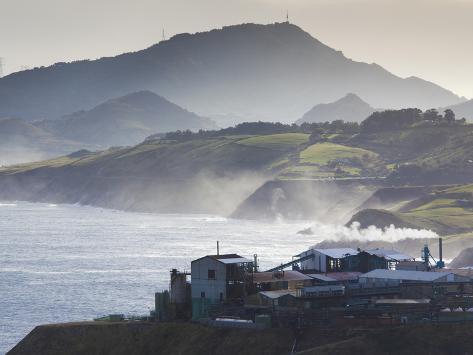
283 141
322 153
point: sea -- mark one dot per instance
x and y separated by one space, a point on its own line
65 263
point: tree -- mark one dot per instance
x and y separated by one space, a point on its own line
390 120
316 135
449 116
432 115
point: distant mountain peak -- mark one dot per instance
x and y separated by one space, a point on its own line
273 71
348 108
126 120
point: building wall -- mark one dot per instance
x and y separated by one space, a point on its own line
318 263
205 291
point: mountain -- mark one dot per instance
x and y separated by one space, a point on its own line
127 120
349 108
270 72
463 109
22 142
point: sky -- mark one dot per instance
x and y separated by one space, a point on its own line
431 39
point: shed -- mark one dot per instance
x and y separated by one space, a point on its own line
282 298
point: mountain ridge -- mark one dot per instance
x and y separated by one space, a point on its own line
126 120
349 108
275 71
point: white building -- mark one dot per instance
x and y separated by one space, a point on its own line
216 279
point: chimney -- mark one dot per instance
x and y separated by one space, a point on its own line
440 249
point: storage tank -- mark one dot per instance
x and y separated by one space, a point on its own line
178 287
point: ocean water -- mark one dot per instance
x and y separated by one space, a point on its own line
61 263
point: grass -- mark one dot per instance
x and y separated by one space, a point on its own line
51 163
461 189
322 153
443 212
305 172
283 141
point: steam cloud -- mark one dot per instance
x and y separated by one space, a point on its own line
389 234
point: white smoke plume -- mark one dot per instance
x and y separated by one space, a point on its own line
389 234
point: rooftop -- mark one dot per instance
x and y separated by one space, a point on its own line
227 258
389 254
278 293
322 277
336 253
288 275
404 275
344 276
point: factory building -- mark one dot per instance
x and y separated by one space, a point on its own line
349 260
324 260
218 279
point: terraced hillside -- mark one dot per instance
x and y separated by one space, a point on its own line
444 210
205 175
267 175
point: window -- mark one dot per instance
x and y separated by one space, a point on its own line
211 275
202 294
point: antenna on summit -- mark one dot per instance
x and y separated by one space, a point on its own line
287 16
1 67
164 36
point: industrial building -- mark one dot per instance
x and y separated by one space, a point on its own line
217 279
319 286
349 260
396 277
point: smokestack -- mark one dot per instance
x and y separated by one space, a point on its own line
440 249
218 248
255 262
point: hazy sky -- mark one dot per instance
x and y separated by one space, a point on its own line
432 39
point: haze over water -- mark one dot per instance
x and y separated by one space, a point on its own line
68 263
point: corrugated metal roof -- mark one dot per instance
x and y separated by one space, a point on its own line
404 275
321 277
278 293
280 276
234 260
344 276
402 301
337 253
223 257
389 254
